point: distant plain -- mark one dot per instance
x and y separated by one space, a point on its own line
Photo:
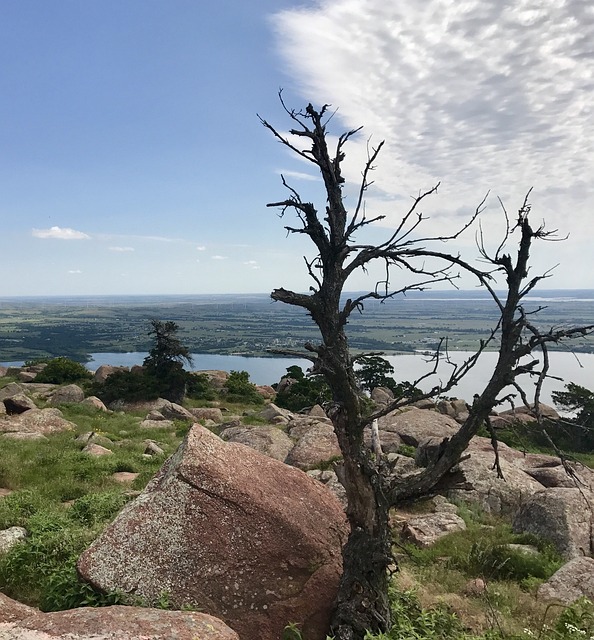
251 325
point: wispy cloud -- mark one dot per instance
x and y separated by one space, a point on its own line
74 271
121 249
219 257
200 248
480 94
252 264
298 175
60 233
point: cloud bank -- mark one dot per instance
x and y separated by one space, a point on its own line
480 94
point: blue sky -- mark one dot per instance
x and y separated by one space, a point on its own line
132 160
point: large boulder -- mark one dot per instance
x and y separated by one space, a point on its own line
173 411
19 403
95 403
475 481
572 581
238 534
105 370
11 389
43 421
272 413
19 622
561 515
268 439
216 378
415 425
71 393
316 444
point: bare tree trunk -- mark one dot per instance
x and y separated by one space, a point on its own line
362 600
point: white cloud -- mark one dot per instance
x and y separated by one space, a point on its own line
298 175
252 264
74 271
219 257
480 95
121 249
201 248
60 233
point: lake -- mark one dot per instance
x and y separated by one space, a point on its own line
564 365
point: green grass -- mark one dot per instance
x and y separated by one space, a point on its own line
64 498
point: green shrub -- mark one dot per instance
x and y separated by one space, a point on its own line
304 391
199 387
129 386
95 508
238 388
577 621
18 507
411 622
500 562
63 370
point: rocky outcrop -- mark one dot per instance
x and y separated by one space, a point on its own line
234 532
19 622
382 396
561 515
475 481
157 424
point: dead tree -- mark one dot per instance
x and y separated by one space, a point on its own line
362 602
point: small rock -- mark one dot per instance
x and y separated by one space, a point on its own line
25 435
10 537
96 450
475 587
425 530
317 412
95 402
208 413
153 449
157 424
124 477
